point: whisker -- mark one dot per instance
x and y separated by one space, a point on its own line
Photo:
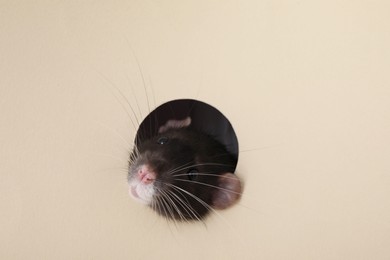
207 174
115 96
213 211
181 167
203 203
115 133
242 194
152 89
120 169
171 210
109 155
165 206
260 148
128 103
134 95
144 87
160 205
209 185
169 201
199 164
186 206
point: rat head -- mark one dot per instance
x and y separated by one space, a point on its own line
182 173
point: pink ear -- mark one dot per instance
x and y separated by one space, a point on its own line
229 192
175 124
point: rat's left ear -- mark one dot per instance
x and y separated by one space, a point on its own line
228 193
173 123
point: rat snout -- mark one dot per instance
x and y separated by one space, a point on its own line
141 184
145 175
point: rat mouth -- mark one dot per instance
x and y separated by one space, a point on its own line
141 193
133 192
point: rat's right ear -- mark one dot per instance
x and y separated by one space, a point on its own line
173 123
228 191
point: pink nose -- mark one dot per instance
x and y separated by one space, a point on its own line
146 176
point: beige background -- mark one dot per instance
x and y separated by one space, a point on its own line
305 83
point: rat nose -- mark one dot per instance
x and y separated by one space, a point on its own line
145 175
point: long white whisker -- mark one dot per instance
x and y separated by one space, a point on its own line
151 88
167 195
115 96
161 205
196 165
172 207
128 103
260 148
121 169
135 96
169 202
165 207
207 174
181 167
186 206
110 155
115 133
209 185
210 208
200 201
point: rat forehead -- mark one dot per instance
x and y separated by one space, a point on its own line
180 134
172 136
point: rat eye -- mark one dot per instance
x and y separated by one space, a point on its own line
162 140
192 174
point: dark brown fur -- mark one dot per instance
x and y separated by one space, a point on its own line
187 151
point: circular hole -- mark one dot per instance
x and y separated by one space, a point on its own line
204 118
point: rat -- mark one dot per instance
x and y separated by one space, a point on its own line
183 173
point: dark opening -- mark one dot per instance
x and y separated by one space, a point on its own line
205 118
